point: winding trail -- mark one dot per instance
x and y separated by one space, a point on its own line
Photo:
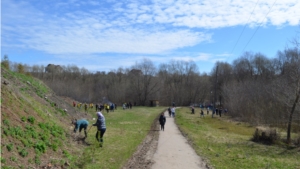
173 150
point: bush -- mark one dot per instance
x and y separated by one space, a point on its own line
9 147
6 122
6 131
37 160
266 136
23 119
3 160
40 147
23 153
31 119
12 158
54 146
16 131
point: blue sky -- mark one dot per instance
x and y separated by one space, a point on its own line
103 35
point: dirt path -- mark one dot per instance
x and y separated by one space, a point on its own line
173 150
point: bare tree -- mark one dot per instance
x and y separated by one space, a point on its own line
286 88
142 80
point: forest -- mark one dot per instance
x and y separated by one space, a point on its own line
253 88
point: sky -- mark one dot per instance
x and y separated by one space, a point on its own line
104 35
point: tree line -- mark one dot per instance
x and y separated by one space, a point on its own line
253 87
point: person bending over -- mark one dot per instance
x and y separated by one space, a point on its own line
79 125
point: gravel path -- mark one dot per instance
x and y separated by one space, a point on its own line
173 151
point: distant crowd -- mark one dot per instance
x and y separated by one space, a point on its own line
217 111
108 107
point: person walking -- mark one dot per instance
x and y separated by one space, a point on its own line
162 121
79 125
173 111
169 111
107 108
101 127
201 113
85 107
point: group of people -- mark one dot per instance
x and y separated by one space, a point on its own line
101 127
217 111
171 111
100 124
107 106
127 105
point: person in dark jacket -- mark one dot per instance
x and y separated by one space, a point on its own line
100 123
80 124
162 121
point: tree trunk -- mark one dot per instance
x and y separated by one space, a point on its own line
291 117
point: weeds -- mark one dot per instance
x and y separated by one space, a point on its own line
266 136
13 158
9 147
3 160
23 119
37 159
40 147
23 153
31 119
6 122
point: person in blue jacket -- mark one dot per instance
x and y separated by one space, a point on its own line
100 123
81 124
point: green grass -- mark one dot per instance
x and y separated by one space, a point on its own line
126 129
226 144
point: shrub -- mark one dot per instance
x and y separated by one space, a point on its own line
13 158
9 147
6 122
3 160
23 153
266 136
44 137
37 160
25 142
23 119
43 126
67 154
31 131
31 119
16 131
40 147
6 131
54 147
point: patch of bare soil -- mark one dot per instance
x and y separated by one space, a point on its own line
143 156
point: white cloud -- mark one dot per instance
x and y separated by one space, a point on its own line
133 27
85 41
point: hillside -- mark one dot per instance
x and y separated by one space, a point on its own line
36 128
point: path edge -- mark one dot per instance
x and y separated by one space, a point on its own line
191 143
143 156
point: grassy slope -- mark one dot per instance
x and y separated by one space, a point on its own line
34 132
227 144
28 144
126 129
